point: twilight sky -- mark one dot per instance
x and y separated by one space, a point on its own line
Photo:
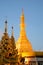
33 12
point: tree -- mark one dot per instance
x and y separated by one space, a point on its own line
8 52
14 54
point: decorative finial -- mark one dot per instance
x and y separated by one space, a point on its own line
22 11
12 31
12 27
6 22
6 26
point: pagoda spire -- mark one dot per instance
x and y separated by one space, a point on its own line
22 12
6 26
22 24
23 44
12 31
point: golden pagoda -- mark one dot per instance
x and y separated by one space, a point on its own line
22 50
23 44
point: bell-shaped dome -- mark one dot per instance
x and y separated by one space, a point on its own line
23 44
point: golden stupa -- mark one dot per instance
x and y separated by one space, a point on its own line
23 44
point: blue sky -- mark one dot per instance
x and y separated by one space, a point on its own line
33 12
